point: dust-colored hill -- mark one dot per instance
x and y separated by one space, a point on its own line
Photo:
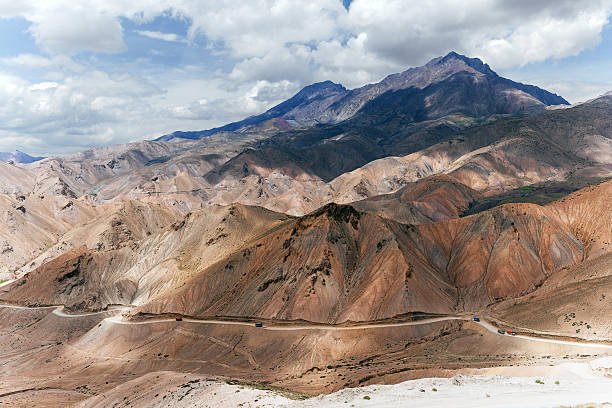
35 211
588 212
33 224
575 301
136 253
569 145
431 199
333 265
338 264
15 179
140 168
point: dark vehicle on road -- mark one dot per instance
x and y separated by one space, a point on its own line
258 324
179 319
476 318
500 331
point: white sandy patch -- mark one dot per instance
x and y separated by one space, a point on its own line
208 394
472 391
578 383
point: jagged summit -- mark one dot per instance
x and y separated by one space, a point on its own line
434 71
316 91
456 58
318 88
309 103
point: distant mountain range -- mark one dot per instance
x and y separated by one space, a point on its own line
450 84
18 157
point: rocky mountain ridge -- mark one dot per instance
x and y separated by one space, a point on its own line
327 102
18 157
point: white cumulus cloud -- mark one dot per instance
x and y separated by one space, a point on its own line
56 99
158 35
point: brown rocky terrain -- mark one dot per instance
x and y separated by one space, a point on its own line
336 264
291 176
361 228
554 146
575 301
35 211
462 263
431 199
55 360
137 253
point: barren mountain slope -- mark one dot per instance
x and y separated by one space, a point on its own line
576 300
306 108
503 252
434 198
83 171
145 168
287 172
404 114
589 214
515 96
338 264
333 265
35 211
31 225
559 145
553 146
136 253
15 179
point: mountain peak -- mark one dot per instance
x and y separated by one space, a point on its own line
311 98
18 157
329 102
318 88
436 70
453 58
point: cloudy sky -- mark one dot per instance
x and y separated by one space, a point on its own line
76 74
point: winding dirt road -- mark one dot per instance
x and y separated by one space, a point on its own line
118 319
494 329
292 327
60 310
